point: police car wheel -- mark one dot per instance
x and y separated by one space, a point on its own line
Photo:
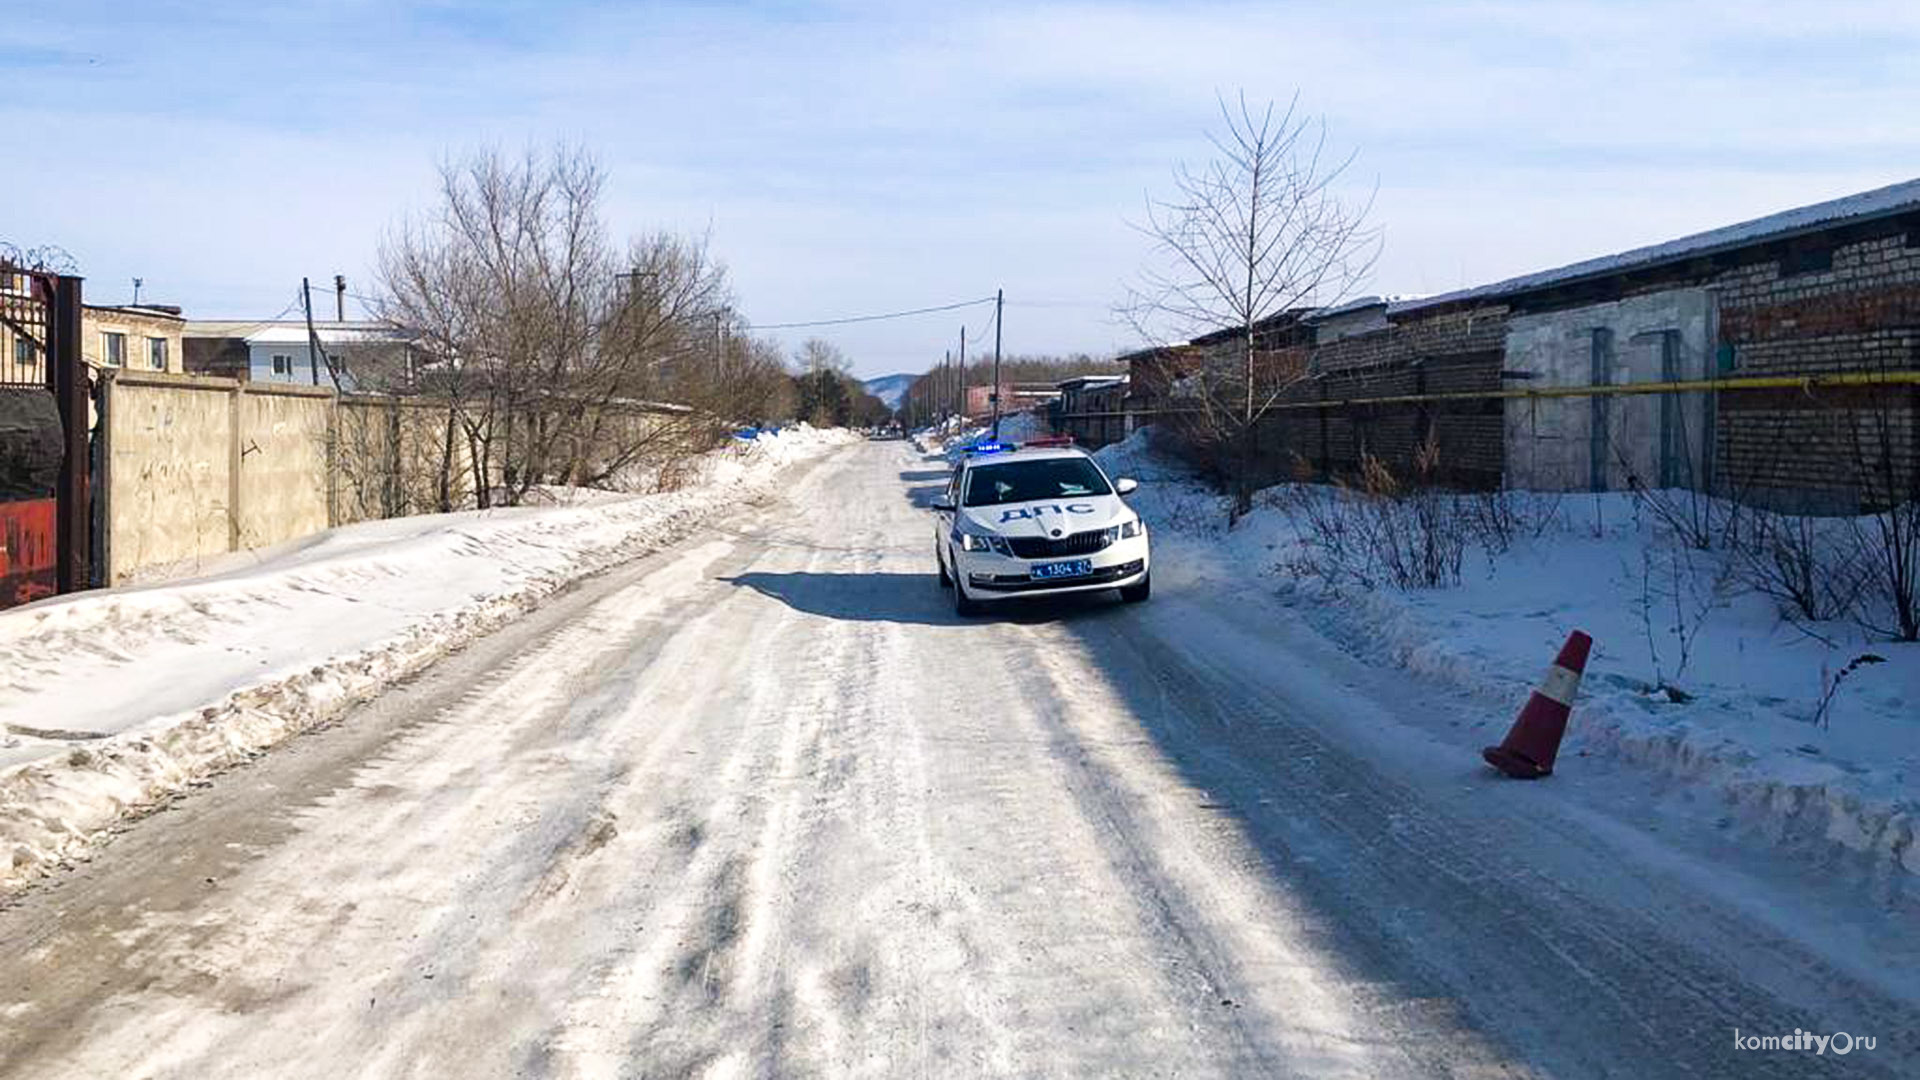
964 605
946 579
1138 591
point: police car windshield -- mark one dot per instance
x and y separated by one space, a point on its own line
1026 481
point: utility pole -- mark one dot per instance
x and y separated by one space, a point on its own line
314 352
340 297
999 304
960 391
313 340
941 395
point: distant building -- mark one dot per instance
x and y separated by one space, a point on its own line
1152 374
145 337
142 338
1092 409
1014 397
369 356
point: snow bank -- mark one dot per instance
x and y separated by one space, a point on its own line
1022 426
111 700
1752 682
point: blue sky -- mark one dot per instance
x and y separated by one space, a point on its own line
854 157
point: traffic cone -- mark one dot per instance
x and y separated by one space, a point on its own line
1527 752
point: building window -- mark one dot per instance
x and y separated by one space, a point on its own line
282 364
25 352
157 353
114 345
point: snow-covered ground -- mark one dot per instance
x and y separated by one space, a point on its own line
764 805
1752 683
112 699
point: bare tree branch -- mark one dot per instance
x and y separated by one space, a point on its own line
1256 232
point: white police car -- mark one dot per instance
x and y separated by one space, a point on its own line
1036 520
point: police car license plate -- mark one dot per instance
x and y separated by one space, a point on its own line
1076 568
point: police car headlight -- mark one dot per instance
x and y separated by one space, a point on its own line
1126 531
975 542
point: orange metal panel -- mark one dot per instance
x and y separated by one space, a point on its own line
29 554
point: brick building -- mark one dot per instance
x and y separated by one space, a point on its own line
1383 347
1828 288
1014 397
1822 289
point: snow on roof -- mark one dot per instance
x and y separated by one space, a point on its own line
1361 303
1093 380
294 331
1358 303
1866 206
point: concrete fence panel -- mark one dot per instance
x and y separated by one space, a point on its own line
283 455
395 456
169 469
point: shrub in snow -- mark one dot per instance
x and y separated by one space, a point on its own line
1888 548
1381 530
1680 585
1807 566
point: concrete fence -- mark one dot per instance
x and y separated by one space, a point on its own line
195 467
397 456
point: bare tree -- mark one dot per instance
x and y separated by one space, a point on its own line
1253 233
554 347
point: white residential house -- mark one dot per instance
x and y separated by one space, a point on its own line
367 356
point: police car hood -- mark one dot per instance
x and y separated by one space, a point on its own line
1049 517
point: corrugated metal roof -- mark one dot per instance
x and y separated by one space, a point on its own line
1883 202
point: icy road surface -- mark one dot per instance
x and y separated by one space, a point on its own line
762 806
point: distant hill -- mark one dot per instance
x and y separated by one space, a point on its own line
889 388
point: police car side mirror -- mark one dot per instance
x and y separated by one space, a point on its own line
1124 486
941 502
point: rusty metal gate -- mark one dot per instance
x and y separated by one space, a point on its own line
45 463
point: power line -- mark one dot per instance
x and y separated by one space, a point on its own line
871 318
1102 305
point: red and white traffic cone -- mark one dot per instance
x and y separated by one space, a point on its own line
1527 752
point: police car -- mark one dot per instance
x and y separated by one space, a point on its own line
1034 520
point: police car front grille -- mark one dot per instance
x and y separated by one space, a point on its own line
1040 547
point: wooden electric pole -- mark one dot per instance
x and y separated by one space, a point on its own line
960 392
999 304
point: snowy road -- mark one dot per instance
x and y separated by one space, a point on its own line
763 806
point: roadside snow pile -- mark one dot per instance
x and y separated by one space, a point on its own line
948 436
1691 675
1023 426
953 431
111 700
